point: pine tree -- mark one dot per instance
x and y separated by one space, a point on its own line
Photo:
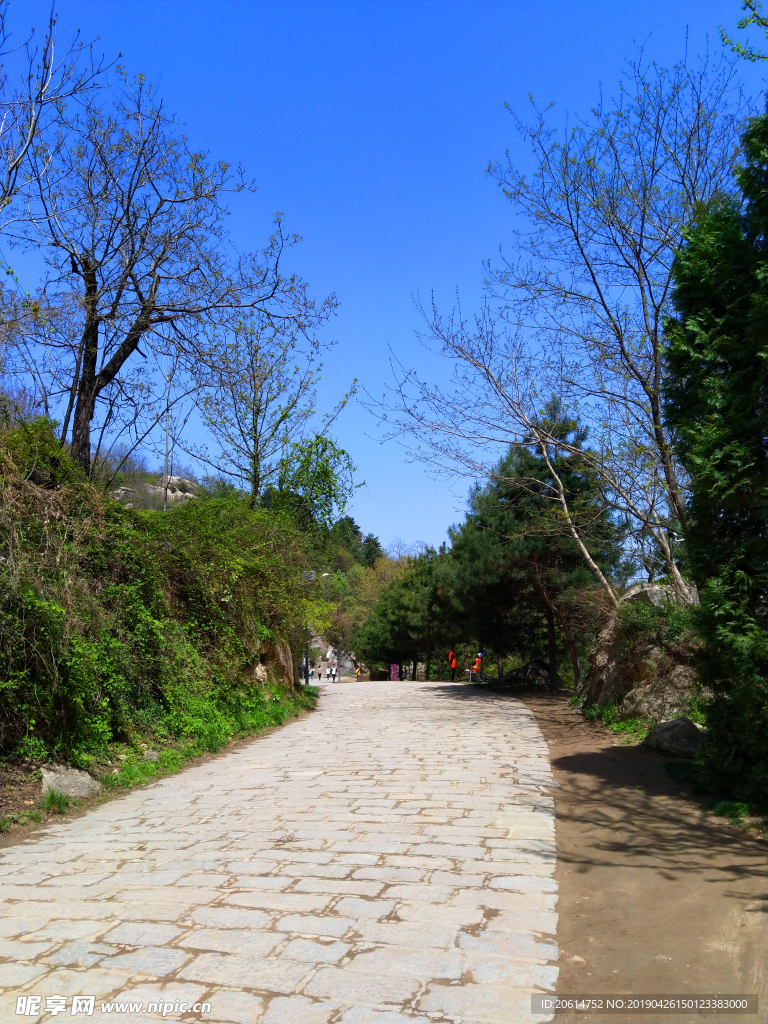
717 400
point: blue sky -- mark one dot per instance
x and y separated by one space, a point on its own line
369 125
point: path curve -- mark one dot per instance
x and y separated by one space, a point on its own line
387 859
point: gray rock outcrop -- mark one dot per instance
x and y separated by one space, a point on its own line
652 681
663 697
69 781
679 737
179 490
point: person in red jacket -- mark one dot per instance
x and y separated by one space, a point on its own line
453 663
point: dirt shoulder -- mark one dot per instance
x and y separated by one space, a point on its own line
657 896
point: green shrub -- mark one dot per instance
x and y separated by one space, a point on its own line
634 729
117 624
732 809
645 623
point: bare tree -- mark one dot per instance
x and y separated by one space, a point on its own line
130 222
260 397
581 301
47 79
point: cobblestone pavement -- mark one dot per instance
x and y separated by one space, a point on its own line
387 859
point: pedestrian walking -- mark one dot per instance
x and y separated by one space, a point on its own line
477 667
357 673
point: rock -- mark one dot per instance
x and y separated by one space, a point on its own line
648 683
151 755
179 490
69 781
679 737
663 697
650 593
280 660
259 673
532 672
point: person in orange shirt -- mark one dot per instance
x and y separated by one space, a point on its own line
453 663
477 667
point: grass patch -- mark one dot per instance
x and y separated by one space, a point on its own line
740 815
55 802
276 707
732 809
634 730
19 818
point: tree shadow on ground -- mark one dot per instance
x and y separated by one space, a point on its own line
628 811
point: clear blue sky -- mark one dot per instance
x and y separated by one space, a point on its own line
369 125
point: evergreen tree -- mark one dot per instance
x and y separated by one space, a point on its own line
717 399
517 564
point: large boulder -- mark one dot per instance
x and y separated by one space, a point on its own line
654 594
532 672
647 682
678 737
662 697
69 781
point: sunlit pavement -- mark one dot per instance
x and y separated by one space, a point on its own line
388 858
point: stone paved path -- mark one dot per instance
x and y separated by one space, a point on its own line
387 859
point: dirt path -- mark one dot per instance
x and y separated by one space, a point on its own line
656 895
386 860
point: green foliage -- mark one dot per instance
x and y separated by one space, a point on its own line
512 578
315 481
639 623
412 617
754 17
731 809
633 729
37 454
56 802
19 818
717 400
116 623
348 546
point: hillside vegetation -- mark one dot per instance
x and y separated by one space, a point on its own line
118 624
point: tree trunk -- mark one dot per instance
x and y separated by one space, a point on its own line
415 666
427 666
499 667
439 667
92 383
575 660
552 639
80 447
